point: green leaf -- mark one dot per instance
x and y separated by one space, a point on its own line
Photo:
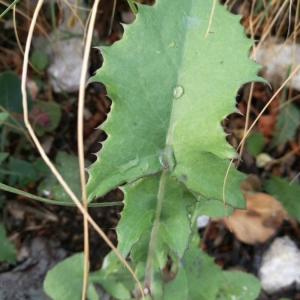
3 156
255 143
198 277
11 96
67 166
7 249
211 208
286 193
3 117
51 112
286 125
64 281
21 172
141 206
114 278
156 209
238 285
39 59
175 86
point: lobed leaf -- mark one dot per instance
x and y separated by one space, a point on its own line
172 79
154 220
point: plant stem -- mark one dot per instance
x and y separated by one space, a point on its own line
155 228
8 8
133 8
7 188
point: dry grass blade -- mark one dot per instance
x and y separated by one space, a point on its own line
47 160
80 141
210 18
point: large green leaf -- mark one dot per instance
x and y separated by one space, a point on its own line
172 79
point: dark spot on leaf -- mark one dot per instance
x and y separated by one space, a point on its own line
184 177
134 124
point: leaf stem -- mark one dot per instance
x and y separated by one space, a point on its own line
9 8
133 8
10 189
153 238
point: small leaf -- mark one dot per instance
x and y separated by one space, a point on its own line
198 277
255 143
39 59
67 166
64 281
238 285
7 249
22 172
286 193
45 116
3 156
286 125
114 278
11 96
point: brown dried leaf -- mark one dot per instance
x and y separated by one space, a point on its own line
256 224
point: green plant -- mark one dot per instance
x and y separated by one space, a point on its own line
172 79
286 192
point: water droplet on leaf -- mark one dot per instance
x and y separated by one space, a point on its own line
166 158
177 91
129 165
172 45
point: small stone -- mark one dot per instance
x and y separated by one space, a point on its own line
280 265
263 159
202 221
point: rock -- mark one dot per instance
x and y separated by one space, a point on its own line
280 265
25 281
277 57
202 221
65 51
